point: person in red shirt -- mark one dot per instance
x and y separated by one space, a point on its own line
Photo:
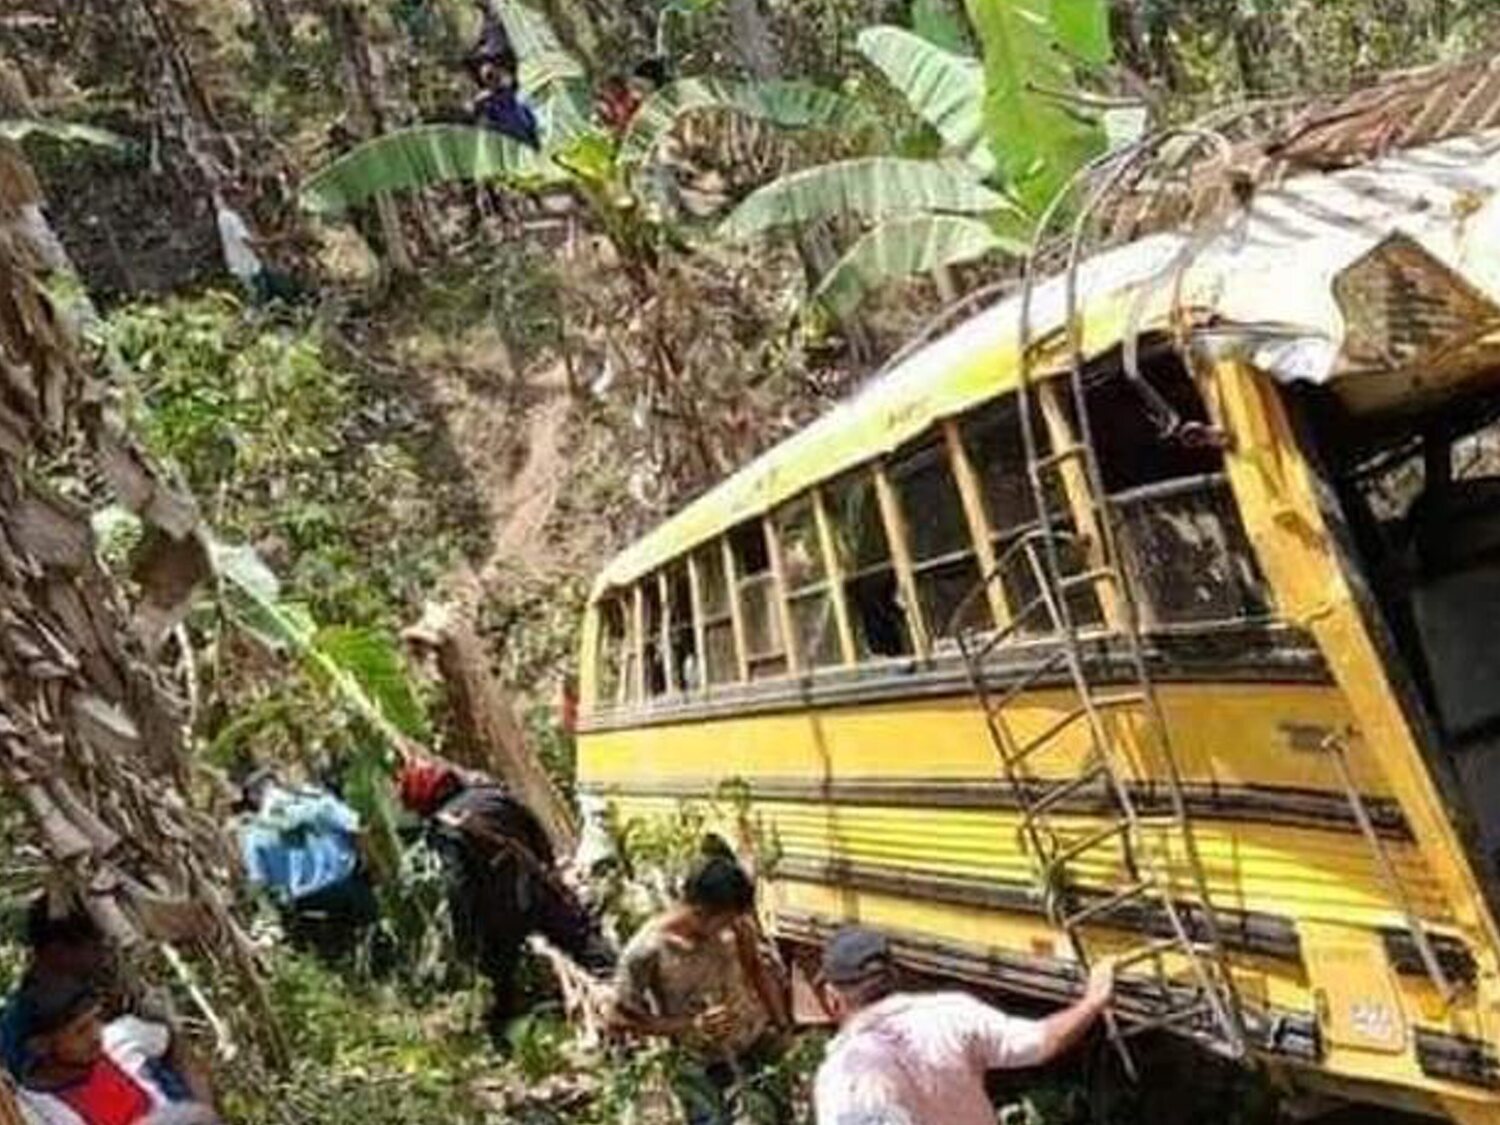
81 1071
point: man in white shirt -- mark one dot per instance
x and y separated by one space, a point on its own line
921 1058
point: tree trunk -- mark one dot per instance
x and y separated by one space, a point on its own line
753 40
275 26
10 1113
366 113
487 735
577 31
754 44
91 739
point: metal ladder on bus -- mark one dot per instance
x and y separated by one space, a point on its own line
1199 1000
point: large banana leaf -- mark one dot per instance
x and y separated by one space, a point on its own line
540 73
421 157
530 32
939 22
870 188
1039 133
23 129
945 89
361 666
789 105
904 247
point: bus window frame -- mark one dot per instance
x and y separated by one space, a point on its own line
669 666
638 645
808 505
736 611
618 676
834 577
901 561
770 579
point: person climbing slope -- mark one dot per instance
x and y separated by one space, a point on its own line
502 880
500 105
302 845
700 975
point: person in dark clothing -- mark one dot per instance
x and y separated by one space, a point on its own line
500 105
64 944
502 880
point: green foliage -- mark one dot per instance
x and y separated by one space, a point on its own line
941 23
787 105
291 452
366 1054
869 188
1033 49
945 89
421 157
906 246
537 1043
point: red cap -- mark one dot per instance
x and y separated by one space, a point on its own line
424 784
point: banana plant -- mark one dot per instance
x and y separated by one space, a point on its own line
604 169
1041 127
361 667
1011 128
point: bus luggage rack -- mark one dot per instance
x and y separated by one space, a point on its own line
1178 981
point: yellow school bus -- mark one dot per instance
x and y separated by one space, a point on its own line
1153 611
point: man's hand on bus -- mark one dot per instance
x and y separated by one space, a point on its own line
714 1023
1101 984
1060 1030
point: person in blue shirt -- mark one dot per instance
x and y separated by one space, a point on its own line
301 845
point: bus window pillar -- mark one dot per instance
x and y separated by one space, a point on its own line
790 641
895 533
833 567
971 494
736 611
700 630
1085 511
638 643
668 658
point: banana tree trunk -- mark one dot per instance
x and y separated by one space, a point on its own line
91 738
366 112
486 732
754 44
274 24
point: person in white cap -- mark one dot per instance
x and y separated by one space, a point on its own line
905 1058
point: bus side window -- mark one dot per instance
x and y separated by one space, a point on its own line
683 640
656 666
996 448
1179 530
719 658
807 587
612 666
877 618
942 552
765 647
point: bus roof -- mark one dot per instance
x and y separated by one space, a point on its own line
1267 280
